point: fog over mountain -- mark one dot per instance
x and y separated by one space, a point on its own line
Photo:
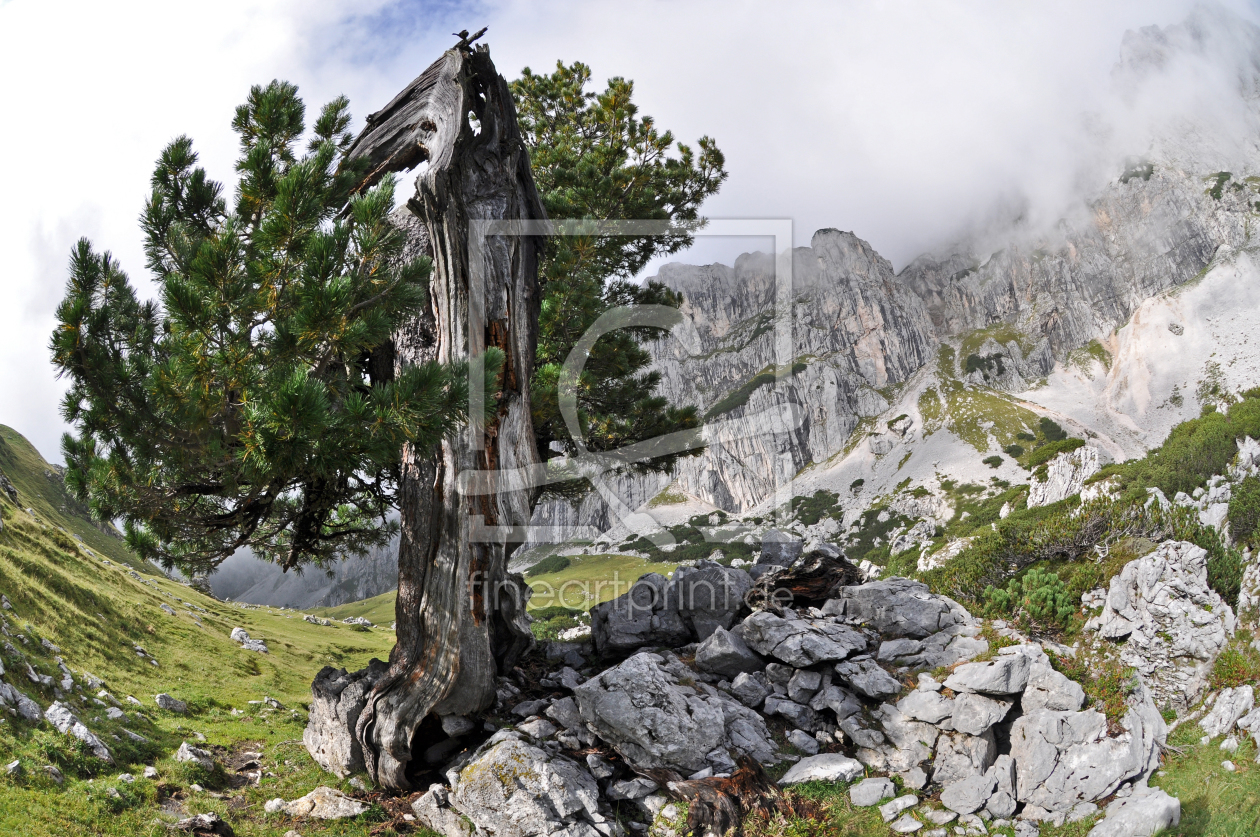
909 124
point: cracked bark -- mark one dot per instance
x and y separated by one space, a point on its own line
460 617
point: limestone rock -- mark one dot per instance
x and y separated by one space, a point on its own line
196 755
959 756
780 549
969 795
510 788
827 767
337 700
642 712
645 615
324 803
726 654
1005 675
1172 623
897 607
750 689
800 642
803 741
869 792
1231 705
1141 814
865 677
709 596
242 636
65 722
926 705
1050 689
974 714
1065 476
27 708
170 704
1066 758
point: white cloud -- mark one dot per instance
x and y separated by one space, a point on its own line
903 121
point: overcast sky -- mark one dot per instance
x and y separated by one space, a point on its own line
905 122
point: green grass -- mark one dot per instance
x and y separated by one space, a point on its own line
824 810
971 409
1214 802
1000 333
96 612
53 504
592 579
379 610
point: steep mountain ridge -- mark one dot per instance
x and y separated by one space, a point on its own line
924 373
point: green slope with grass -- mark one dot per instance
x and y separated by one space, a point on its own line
41 490
92 601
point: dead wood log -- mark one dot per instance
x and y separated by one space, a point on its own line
460 617
720 805
814 579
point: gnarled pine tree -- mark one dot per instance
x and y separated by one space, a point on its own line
256 405
296 383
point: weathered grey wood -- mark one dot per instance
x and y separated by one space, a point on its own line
460 618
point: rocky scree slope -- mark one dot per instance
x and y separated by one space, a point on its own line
936 721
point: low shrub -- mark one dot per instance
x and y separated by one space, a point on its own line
1051 430
1039 596
992 461
550 564
1244 511
1050 450
1237 665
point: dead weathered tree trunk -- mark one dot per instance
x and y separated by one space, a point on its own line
460 618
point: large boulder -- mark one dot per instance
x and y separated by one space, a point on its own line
959 756
780 549
974 714
24 706
1047 688
1141 814
1007 674
511 788
338 699
709 596
1065 758
896 607
1230 706
726 654
910 742
864 676
800 642
1173 625
646 615
647 717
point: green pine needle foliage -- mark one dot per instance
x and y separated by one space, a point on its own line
255 403
595 157
1039 596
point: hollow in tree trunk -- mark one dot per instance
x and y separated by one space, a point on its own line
460 617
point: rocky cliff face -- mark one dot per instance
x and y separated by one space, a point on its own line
866 342
1150 231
